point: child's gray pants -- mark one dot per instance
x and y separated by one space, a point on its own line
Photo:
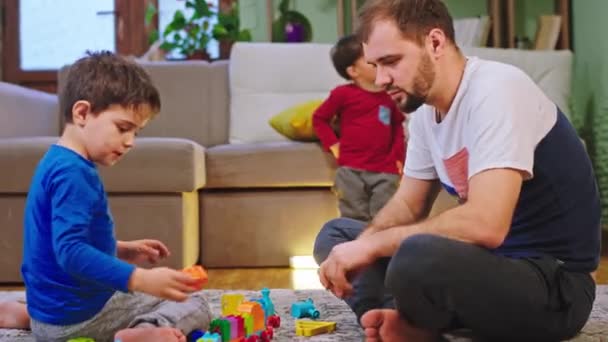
126 310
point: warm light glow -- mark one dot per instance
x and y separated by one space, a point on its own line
305 279
304 274
303 262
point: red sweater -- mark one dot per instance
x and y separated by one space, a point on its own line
371 128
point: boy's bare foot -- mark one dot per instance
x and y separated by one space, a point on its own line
150 335
387 326
13 315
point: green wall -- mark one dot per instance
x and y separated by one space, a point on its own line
590 87
322 15
527 13
467 8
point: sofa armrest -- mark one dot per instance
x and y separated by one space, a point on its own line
27 113
158 165
155 165
18 160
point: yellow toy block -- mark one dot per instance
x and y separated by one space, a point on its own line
312 328
230 304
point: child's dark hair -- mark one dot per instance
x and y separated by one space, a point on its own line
345 53
105 79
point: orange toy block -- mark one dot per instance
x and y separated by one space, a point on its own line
197 272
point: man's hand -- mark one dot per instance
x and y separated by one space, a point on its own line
335 150
163 282
344 261
138 251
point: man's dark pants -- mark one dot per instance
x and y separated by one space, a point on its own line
442 284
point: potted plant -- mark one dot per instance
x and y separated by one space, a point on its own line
186 36
228 30
291 26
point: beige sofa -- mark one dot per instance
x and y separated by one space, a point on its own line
209 176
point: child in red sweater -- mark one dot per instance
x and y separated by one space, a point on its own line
371 148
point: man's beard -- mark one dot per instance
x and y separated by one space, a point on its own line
411 103
422 84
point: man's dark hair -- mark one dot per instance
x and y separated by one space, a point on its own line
414 18
105 79
345 53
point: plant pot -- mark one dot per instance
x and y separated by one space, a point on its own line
295 32
198 55
225 48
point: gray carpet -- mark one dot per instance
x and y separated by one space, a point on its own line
333 309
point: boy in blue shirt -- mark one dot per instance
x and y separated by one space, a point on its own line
80 281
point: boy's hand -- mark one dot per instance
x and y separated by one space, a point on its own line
400 167
163 282
335 150
138 251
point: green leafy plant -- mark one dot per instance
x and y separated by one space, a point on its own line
149 17
187 36
228 27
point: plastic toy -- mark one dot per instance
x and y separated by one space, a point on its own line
195 335
82 339
267 302
312 328
230 303
246 321
274 321
305 308
210 337
197 272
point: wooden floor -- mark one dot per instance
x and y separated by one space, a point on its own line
286 278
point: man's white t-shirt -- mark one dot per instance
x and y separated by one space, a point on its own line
501 119
497 118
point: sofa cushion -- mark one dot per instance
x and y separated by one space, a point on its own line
155 165
194 97
158 165
194 100
267 78
273 164
551 70
295 122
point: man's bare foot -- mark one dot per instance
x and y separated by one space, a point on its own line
387 326
13 315
150 335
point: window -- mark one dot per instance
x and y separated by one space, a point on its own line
40 36
71 27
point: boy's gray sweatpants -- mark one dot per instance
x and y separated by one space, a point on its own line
129 310
361 194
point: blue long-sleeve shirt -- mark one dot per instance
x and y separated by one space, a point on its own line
70 268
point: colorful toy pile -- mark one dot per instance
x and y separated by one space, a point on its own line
251 320
242 321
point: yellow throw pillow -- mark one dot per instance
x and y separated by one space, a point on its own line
296 122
